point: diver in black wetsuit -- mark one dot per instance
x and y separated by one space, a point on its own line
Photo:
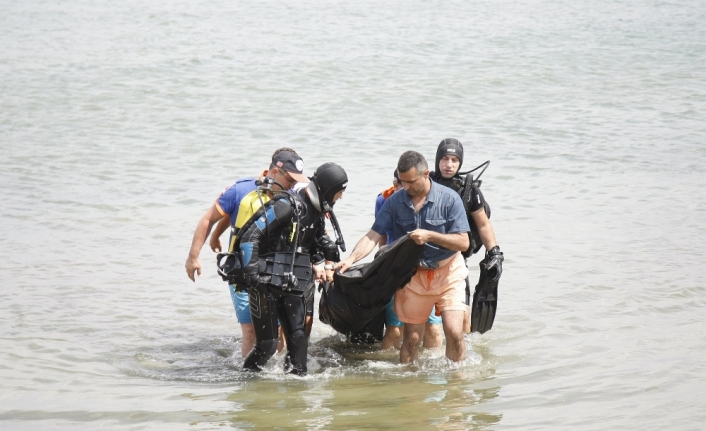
449 158
290 226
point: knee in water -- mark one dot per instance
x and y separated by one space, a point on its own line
291 367
267 347
298 336
258 357
295 362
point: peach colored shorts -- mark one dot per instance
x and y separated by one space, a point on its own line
444 287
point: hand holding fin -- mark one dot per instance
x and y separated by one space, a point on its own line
494 262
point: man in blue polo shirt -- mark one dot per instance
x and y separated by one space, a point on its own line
393 326
434 216
286 169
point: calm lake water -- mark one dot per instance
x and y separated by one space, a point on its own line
121 122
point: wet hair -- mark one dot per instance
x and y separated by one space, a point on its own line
412 159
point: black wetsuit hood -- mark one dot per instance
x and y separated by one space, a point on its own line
449 146
327 181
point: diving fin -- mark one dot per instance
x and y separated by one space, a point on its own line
485 299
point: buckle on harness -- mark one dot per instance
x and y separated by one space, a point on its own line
230 268
278 268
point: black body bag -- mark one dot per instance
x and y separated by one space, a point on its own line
353 304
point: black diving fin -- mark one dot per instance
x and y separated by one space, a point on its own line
485 299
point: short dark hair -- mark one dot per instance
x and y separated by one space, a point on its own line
412 159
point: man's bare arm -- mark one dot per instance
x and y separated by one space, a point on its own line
485 229
362 249
222 226
193 264
453 241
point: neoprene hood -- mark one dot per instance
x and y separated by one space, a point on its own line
449 146
328 179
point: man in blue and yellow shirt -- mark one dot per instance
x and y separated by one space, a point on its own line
286 169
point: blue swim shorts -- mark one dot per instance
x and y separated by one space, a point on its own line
241 303
392 320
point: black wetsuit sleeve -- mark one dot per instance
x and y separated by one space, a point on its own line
268 222
477 200
318 240
326 247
